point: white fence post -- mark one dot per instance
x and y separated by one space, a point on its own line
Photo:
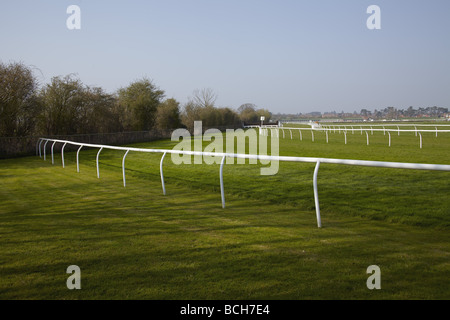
96 161
161 172
40 155
53 158
420 134
345 136
123 168
78 163
62 154
291 133
222 192
367 134
316 195
326 132
45 154
389 138
312 135
300 131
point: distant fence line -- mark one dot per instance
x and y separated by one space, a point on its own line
264 130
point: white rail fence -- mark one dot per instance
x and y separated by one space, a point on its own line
41 151
345 129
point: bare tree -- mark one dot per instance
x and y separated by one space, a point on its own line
204 98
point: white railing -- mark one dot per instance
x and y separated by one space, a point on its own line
317 161
353 128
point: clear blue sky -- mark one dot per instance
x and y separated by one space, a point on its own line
286 56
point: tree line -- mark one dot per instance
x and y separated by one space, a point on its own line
67 106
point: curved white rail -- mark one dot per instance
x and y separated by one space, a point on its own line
317 161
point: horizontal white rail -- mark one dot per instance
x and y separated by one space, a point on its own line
317 161
356 128
353 128
388 124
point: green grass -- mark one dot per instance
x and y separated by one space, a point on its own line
135 243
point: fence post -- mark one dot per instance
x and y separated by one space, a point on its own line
53 159
62 154
300 131
367 134
96 161
312 135
161 172
326 132
45 155
40 155
420 134
222 192
123 168
316 195
345 136
291 133
78 163
389 138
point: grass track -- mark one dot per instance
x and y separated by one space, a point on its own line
135 243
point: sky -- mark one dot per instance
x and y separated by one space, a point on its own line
287 56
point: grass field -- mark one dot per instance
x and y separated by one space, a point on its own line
135 243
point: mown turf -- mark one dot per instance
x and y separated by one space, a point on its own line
135 243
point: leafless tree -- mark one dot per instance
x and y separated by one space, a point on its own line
204 98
